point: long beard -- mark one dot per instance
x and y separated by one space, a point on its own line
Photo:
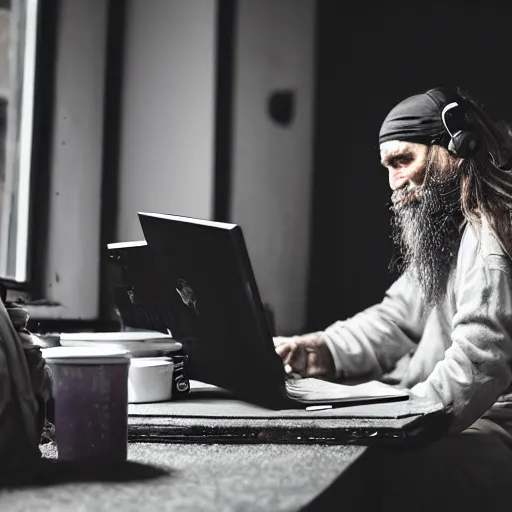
426 234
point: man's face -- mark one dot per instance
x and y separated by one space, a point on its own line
425 207
405 162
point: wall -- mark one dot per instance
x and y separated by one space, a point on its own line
167 131
5 19
72 264
167 140
272 164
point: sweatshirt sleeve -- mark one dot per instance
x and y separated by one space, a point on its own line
476 368
371 342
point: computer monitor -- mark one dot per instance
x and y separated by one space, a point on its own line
135 285
216 309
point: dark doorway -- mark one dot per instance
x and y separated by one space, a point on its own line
368 60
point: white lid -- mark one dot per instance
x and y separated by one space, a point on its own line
121 336
138 348
85 355
143 362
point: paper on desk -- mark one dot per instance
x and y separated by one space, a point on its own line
320 391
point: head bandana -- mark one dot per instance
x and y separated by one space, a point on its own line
418 118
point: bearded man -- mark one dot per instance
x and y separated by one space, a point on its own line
449 314
445 326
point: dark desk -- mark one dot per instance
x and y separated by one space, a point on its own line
229 457
198 478
213 415
277 477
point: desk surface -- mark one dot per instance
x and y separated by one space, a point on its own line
209 415
205 477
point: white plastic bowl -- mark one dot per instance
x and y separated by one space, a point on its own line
137 343
150 380
120 336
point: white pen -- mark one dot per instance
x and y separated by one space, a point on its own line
318 407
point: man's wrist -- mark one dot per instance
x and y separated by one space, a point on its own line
338 372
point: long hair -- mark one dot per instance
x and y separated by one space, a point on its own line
486 178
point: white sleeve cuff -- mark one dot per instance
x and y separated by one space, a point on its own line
336 356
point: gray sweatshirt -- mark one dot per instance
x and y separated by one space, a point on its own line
462 348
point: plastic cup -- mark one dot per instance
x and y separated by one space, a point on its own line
90 390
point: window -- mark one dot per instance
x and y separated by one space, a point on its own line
18 36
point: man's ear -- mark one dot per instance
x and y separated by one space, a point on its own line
453 160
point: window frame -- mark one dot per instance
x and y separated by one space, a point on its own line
38 157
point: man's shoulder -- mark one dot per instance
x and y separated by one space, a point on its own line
480 242
480 252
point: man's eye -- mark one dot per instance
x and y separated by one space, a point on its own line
401 160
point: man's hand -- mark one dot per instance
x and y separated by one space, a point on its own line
307 355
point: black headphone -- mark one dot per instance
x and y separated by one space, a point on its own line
463 143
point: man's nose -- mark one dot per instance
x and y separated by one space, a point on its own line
397 179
